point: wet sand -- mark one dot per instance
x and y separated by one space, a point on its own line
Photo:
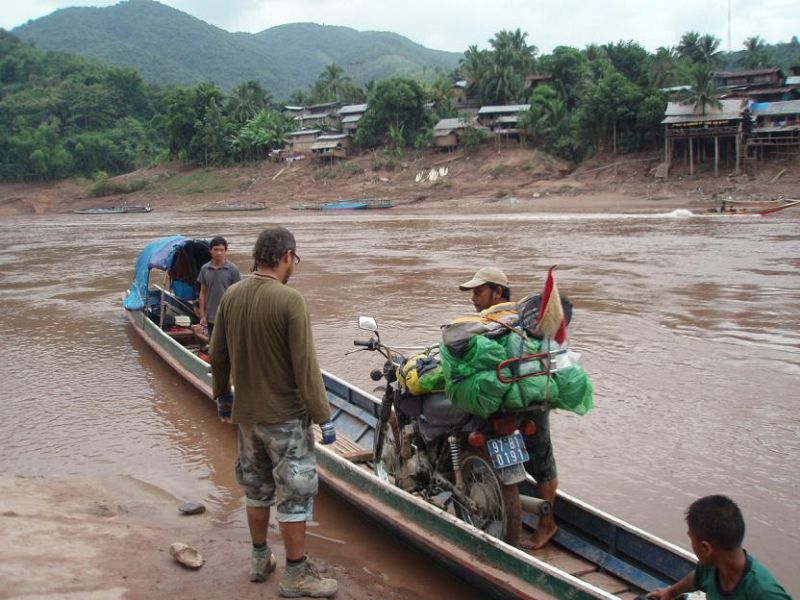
108 538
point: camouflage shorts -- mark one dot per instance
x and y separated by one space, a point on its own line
278 460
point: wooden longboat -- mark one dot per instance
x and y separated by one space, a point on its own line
594 555
751 207
114 210
360 204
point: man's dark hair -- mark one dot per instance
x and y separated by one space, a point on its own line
271 245
218 241
505 293
716 520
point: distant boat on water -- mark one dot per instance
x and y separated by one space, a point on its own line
752 207
112 210
225 206
359 204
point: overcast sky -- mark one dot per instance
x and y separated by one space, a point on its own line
455 24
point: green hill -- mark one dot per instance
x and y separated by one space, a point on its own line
170 47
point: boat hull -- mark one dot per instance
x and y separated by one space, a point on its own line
502 571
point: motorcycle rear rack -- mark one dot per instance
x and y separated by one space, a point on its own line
547 357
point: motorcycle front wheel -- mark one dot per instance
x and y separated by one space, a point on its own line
497 509
386 449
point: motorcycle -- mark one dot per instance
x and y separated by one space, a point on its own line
466 465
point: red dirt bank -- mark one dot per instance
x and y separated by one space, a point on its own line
538 182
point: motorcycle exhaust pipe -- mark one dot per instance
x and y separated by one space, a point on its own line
536 506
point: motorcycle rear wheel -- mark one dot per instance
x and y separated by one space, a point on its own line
499 510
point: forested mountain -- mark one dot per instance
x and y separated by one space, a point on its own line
168 46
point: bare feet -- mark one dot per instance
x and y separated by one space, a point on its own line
540 538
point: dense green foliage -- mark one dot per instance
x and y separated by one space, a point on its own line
396 114
606 97
63 115
167 46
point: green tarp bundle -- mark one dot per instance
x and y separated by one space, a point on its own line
472 384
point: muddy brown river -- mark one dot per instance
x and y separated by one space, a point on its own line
688 326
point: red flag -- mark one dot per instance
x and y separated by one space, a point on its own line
551 314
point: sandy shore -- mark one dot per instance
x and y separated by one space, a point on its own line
516 179
79 538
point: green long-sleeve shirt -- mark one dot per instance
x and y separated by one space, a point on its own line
262 343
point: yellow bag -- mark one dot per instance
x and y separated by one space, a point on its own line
421 374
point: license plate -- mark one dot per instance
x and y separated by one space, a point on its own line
507 451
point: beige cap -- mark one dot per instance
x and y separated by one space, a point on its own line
483 276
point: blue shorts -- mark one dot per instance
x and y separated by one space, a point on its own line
276 461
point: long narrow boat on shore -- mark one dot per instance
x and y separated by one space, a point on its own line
113 210
359 204
593 555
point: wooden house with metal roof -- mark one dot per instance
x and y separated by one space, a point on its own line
775 128
749 79
501 117
447 132
698 134
349 116
301 141
331 146
503 121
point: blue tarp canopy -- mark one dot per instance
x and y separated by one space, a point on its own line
161 254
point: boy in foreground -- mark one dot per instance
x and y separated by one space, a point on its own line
724 570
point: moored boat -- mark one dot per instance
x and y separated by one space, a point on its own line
232 207
362 204
111 210
593 555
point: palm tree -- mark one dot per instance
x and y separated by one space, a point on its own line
709 49
661 67
755 55
247 100
523 56
474 67
703 90
332 83
689 46
504 82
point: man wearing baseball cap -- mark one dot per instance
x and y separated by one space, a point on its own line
489 286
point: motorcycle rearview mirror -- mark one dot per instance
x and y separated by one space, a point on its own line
368 323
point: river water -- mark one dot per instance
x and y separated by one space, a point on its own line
689 328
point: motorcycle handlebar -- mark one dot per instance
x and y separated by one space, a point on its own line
365 343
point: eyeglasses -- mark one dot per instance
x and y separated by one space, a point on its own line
295 257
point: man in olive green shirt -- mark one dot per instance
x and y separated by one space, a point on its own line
262 343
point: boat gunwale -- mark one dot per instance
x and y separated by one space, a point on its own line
165 345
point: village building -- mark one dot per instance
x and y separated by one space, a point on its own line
466 106
293 111
503 121
533 81
775 130
733 80
331 146
349 116
300 142
697 134
321 116
447 132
